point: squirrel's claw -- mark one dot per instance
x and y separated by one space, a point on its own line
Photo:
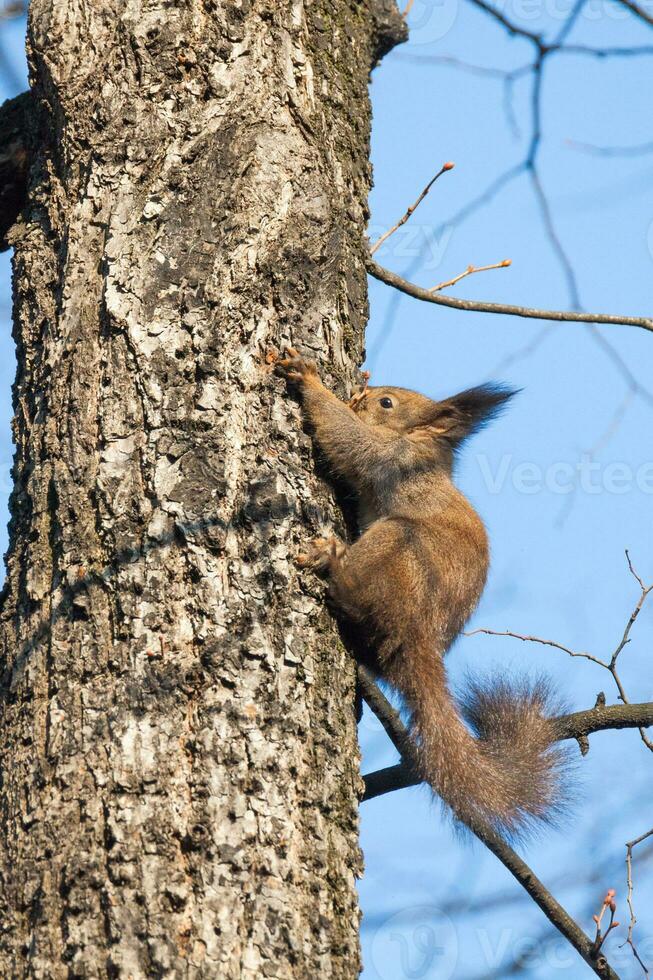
295 367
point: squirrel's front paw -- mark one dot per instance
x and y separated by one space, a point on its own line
294 367
321 553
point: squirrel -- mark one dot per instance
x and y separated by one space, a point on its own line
410 582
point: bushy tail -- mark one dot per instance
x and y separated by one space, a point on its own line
506 770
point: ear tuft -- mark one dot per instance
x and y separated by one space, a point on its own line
471 410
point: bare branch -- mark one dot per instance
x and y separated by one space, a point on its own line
580 724
562 316
404 218
389 780
387 715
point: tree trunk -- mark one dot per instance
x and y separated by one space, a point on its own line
179 761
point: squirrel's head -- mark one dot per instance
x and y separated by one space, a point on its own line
448 422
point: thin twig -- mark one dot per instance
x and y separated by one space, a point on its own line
580 49
561 316
404 218
552 234
638 149
469 271
638 578
555 913
629 877
600 443
634 389
615 357
509 25
450 61
524 351
485 197
637 11
569 23
645 590
538 639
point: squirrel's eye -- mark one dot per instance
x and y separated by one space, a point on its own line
385 402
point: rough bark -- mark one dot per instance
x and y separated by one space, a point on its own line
179 763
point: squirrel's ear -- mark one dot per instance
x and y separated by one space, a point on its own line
458 417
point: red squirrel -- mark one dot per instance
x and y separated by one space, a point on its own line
410 582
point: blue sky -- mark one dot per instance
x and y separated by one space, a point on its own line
434 906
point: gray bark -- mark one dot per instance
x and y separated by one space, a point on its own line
179 763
